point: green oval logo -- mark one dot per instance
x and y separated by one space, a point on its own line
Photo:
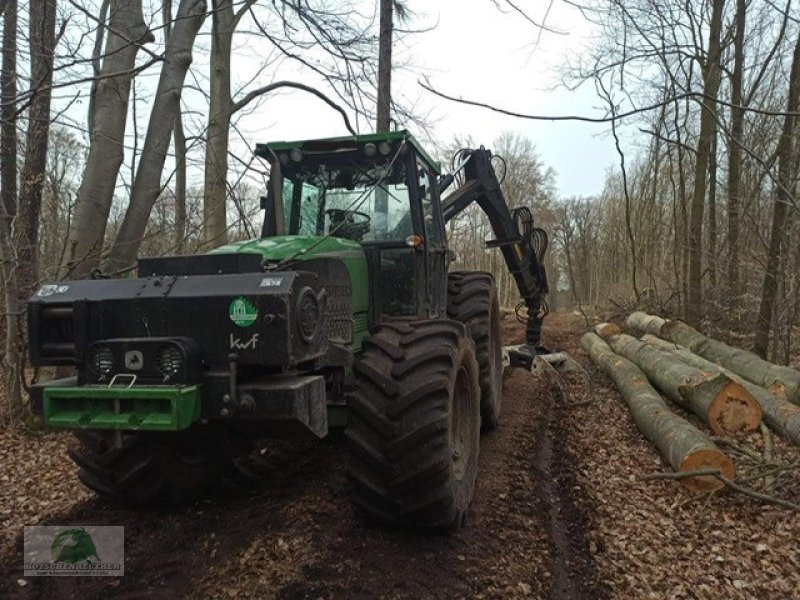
242 312
73 546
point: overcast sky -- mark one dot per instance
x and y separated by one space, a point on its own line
472 50
477 52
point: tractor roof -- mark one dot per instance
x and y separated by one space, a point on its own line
335 143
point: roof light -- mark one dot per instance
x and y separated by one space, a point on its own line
384 148
296 154
370 150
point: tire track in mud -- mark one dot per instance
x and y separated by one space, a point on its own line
567 522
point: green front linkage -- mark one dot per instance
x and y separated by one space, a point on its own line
151 408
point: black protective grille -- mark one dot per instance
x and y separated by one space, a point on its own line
340 319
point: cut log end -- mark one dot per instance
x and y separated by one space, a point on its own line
707 459
606 330
734 410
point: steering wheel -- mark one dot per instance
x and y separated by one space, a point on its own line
344 224
337 215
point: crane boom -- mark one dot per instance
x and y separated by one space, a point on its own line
522 244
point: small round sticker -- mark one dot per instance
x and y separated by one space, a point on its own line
242 312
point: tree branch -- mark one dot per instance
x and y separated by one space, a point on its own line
731 484
617 117
248 98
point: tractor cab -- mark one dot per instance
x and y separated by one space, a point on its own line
376 190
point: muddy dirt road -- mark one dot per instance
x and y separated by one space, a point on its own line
560 512
290 531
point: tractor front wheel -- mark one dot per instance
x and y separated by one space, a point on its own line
414 425
150 467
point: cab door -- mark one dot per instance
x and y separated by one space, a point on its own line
435 241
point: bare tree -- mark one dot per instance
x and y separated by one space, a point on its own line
784 197
8 209
705 144
166 109
388 9
224 21
127 33
42 23
735 151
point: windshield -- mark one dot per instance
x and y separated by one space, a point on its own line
349 201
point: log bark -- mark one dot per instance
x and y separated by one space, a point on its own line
684 446
643 322
782 416
721 402
783 382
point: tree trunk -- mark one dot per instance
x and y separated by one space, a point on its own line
127 31
179 141
8 212
166 107
96 54
735 156
42 41
712 216
708 126
8 128
723 404
215 228
783 382
684 446
782 416
784 195
383 121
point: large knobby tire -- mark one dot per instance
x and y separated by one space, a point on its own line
414 425
472 299
150 467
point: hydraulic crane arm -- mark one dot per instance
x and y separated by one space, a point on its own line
523 245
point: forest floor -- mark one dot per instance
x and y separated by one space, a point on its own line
559 512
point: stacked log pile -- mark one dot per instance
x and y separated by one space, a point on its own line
684 446
728 388
782 417
783 382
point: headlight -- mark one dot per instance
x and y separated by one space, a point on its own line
169 359
101 359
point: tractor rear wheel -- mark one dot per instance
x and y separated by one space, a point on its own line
153 467
414 424
472 299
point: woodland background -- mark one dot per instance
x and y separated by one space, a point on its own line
699 220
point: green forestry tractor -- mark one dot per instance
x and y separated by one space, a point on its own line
341 315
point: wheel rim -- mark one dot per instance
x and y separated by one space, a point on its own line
460 422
